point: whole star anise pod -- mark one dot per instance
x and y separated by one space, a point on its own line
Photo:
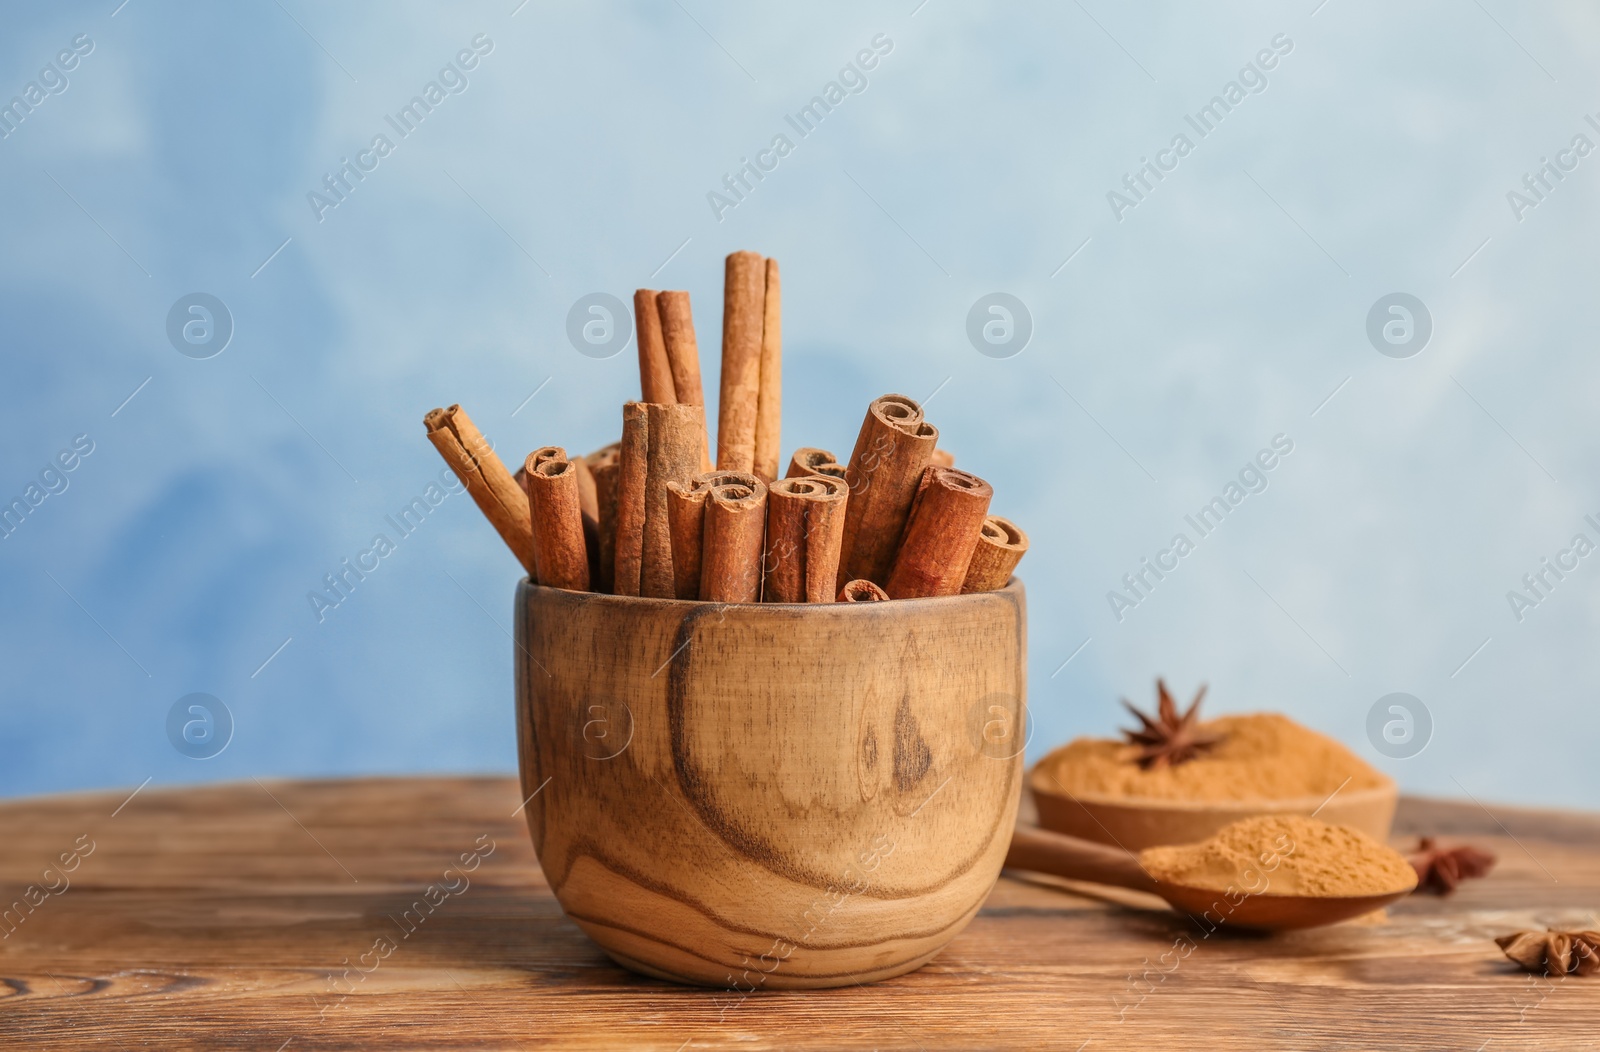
1170 739
1554 952
1440 869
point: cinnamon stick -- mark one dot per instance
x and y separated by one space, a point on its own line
885 468
1001 545
862 592
735 518
544 452
540 455
941 534
743 318
655 368
605 465
677 437
769 400
805 526
589 506
942 458
686 505
686 515
496 493
632 467
683 353
560 552
808 460
588 497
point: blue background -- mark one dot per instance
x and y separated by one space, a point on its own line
1180 338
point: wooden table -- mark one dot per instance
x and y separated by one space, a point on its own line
224 917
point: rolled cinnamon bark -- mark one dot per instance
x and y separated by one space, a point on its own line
542 453
735 519
941 534
743 317
605 465
496 493
769 401
862 592
686 515
589 504
942 458
655 368
805 526
808 460
588 497
677 446
1001 545
539 456
633 460
560 552
683 353
686 506
825 540
885 468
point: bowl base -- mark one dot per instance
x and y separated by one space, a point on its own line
776 980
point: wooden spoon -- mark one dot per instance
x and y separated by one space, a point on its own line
1042 851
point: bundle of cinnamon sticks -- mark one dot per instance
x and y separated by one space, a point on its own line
650 515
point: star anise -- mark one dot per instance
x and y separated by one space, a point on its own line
1554 952
1440 869
1170 739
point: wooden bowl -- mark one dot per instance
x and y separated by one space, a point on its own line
1136 824
766 796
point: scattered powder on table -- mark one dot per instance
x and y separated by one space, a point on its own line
1265 756
1284 855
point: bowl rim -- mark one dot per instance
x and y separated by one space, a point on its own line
1249 806
1013 589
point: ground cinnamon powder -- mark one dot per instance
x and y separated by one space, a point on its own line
1265 756
1284 855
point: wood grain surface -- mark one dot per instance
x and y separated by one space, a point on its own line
222 917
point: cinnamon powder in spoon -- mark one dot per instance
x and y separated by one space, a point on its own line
1284 855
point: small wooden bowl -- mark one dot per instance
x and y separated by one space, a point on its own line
766 796
1136 824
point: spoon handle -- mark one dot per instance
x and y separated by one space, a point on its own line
1060 855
